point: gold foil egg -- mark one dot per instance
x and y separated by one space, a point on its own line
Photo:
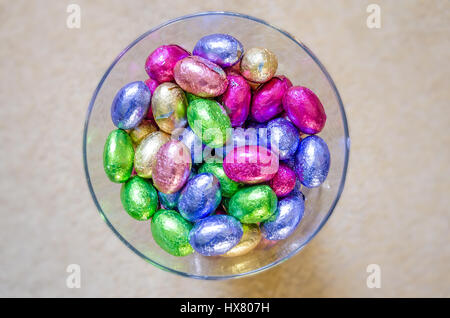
145 155
169 105
145 128
250 239
259 65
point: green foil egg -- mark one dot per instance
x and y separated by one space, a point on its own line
209 121
171 232
228 187
253 204
139 198
118 156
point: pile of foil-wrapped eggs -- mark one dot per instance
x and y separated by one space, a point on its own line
214 148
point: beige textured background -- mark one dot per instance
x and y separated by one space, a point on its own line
394 212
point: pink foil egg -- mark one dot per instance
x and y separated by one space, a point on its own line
304 109
250 164
237 99
200 77
284 181
172 167
160 63
267 100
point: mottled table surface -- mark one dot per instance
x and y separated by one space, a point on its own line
394 211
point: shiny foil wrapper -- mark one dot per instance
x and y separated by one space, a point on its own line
172 167
145 155
222 49
250 239
284 181
259 65
304 109
160 63
312 161
237 99
200 77
266 101
169 105
215 235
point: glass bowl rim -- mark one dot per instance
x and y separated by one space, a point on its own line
344 120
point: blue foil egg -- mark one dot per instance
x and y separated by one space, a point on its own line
312 161
130 105
193 142
283 137
215 235
169 201
200 197
222 49
285 220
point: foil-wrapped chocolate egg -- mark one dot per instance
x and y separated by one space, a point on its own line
253 204
209 121
312 161
304 109
139 198
259 65
250 239
145 128
283 138
169 107
192 141
145 157
215 235
228 187
222 49
161 62
250 164
239 137
200 197
172 167
130 105
200 77
118 155
284 181
285 220
237 99
171 232
169 201
266 101
152 84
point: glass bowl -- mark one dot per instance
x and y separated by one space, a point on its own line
296 61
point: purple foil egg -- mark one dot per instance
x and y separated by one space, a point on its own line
215 235
312 161
160 63
172 167
222 49
200 77
304 109
250 164
284 181
266 102
200 197
283 137
237 99
285 220
130 105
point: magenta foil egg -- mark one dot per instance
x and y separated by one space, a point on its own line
250 164
284 181
160 63
237 99
304 109
267 100
200 77
172 167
